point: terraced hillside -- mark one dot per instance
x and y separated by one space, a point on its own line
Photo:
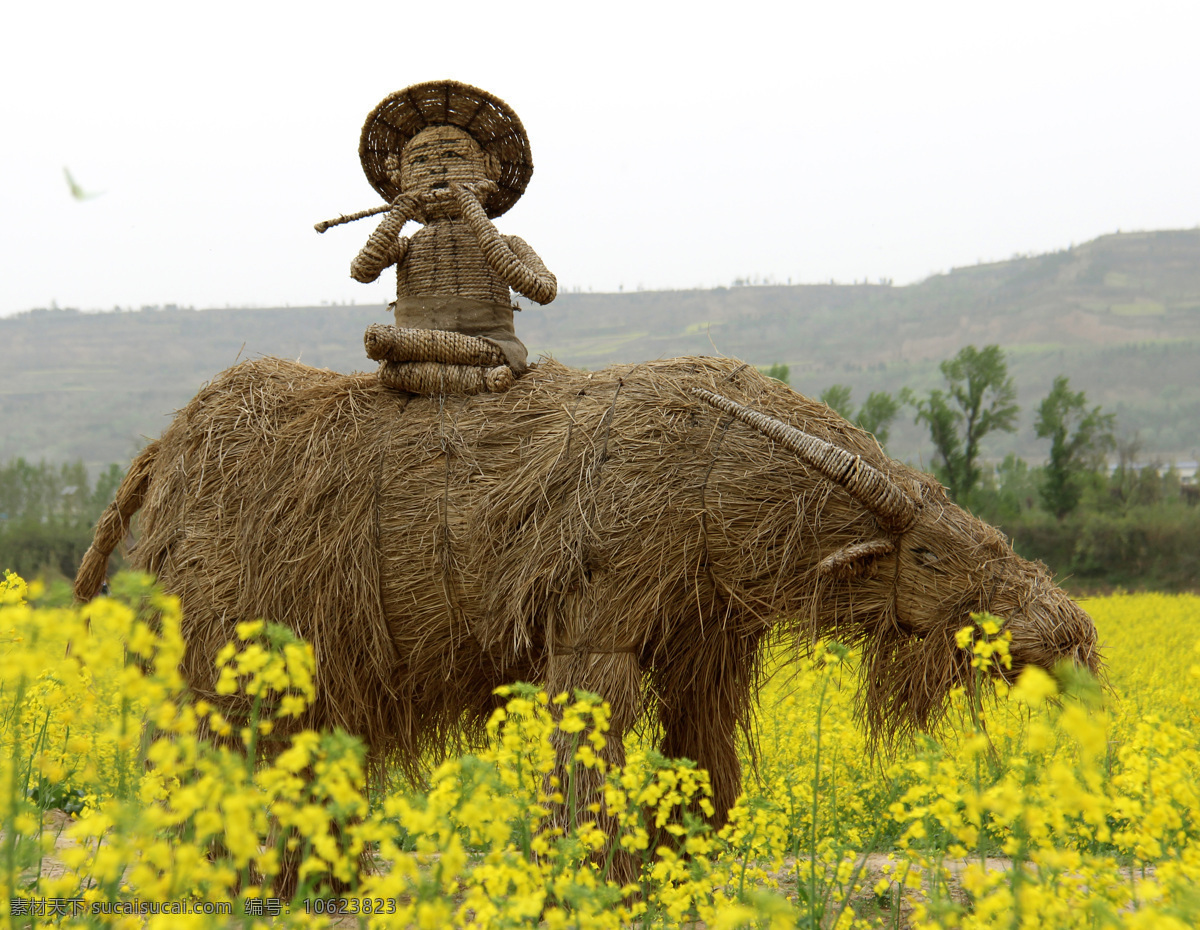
1119 315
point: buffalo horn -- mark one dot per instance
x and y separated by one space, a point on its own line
866 483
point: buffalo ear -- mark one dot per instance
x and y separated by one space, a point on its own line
860 560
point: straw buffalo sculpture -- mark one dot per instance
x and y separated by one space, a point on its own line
644 532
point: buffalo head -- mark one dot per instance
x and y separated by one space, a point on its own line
911 578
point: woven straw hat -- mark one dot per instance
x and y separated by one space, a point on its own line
489 120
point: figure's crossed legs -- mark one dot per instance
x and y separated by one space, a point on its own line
434 361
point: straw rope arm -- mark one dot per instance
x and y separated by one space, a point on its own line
510 257
386 246
525 253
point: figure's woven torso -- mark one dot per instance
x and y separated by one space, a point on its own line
444 258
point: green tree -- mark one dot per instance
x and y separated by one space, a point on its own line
837 398
47 513
875 415
1008 490
1079 438
1172 484
1122 483
778 371
1148 488
980 398
106 488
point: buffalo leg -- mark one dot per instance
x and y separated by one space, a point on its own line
616 677
703 696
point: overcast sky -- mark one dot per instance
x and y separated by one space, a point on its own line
676 145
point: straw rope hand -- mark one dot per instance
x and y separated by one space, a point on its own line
386 246
510 257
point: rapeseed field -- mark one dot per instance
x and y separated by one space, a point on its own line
1062 803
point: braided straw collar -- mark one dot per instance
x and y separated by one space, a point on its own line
489 120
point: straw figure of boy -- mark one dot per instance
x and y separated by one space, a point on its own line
453 158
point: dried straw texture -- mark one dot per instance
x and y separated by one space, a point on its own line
876 491
607 530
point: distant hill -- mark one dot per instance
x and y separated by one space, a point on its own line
1119 315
